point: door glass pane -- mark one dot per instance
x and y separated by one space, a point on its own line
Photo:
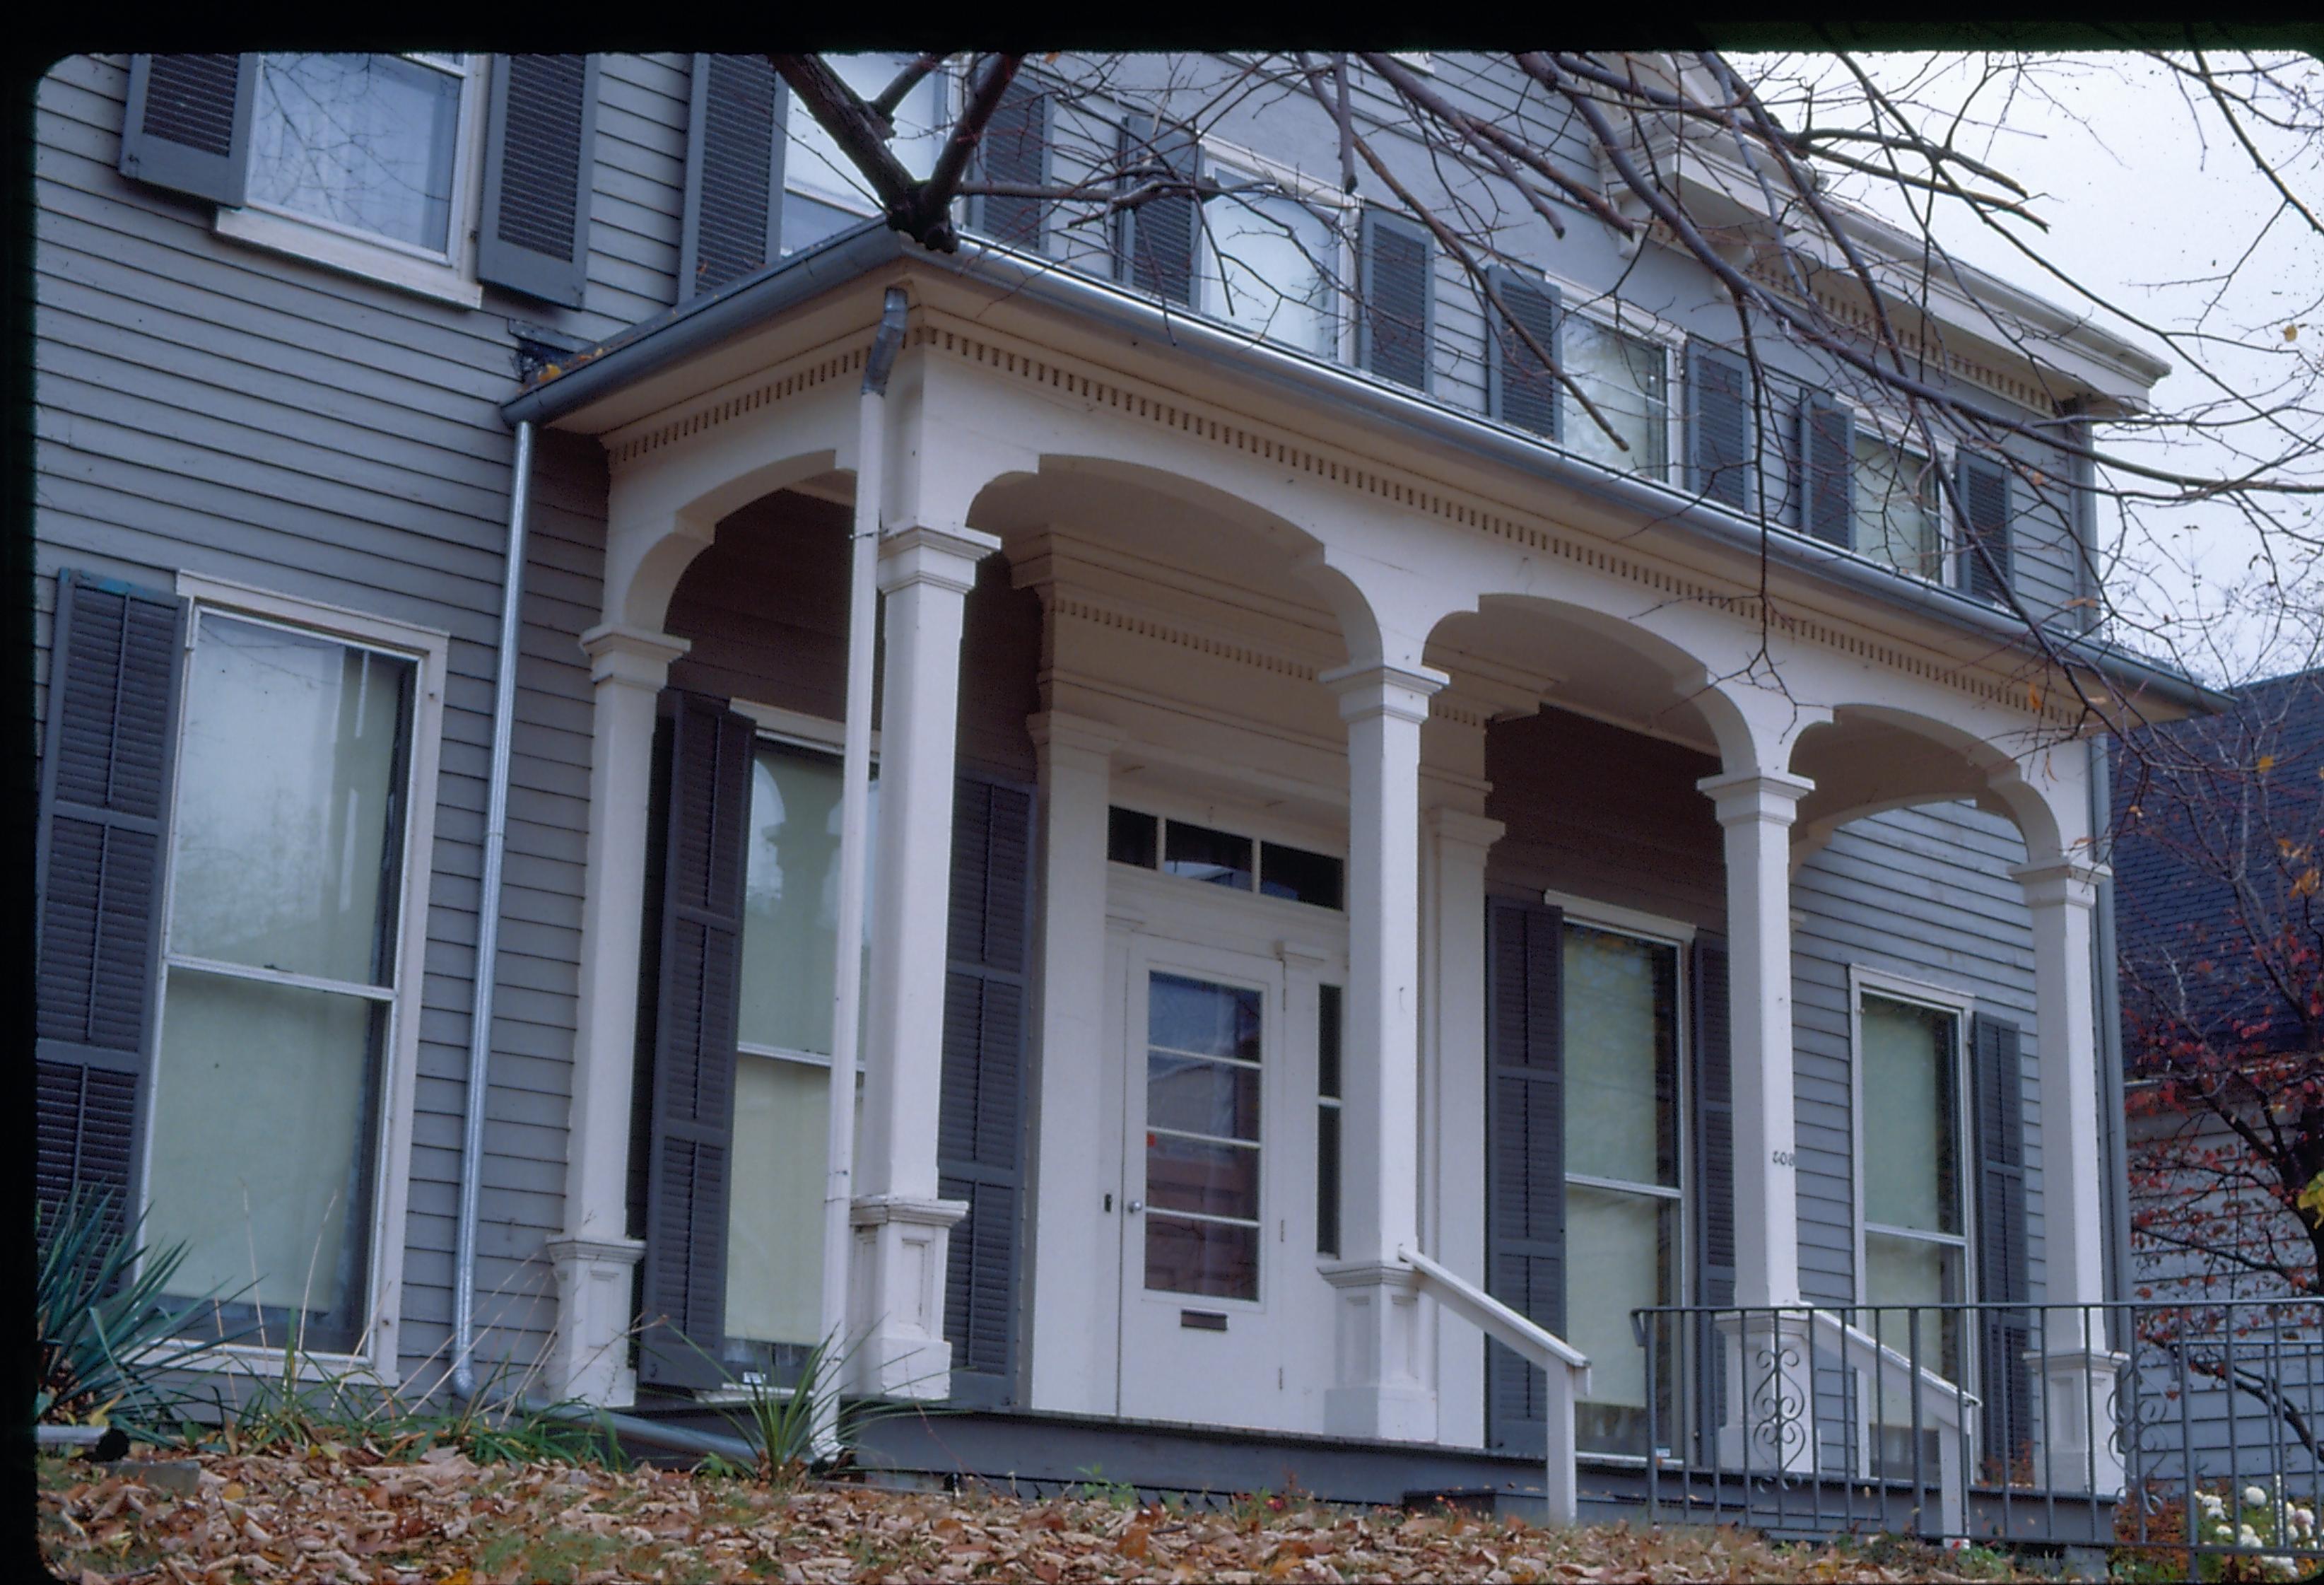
1911 1121
1621 1058
288 1210
1624 377
1620 1253
774 1216
288 817
790 900
1202 1046
1267 263
362 140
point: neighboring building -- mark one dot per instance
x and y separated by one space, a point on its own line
2216 821
1321 785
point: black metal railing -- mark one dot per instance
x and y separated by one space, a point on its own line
2185 1432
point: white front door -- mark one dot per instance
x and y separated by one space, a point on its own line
1206 1282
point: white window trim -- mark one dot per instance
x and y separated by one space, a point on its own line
1891 987
447 277
430 648
1893 432
1314 192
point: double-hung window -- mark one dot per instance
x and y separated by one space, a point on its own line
824 194
1627 380
782 1073
366 162
1270 262
281 975
1898 520
1622 1180
1914 1205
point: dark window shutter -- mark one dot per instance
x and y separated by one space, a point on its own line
733 173
1155 242
1826 486
1719 426
2005 1386
1519 388
1015 149
539 163
980 1154
698 1006
1396 319
1711 1190
1984 488
105 788
1524 1154
187 126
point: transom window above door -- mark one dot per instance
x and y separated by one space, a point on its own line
1225 858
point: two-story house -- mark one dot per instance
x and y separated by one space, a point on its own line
1321 780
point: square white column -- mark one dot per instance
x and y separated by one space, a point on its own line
2079 1372
896 1340
1756 808
1381 1388
588 1359
1074 1244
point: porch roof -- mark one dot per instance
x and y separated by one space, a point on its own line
569 386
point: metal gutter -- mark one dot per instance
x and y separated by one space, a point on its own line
662 343
488 926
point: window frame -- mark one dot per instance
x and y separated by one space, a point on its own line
1340 213
1885 429
449 275
1863 980
1678 937
377 1350
1606 311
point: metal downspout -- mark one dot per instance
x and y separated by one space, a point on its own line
488 928
854 823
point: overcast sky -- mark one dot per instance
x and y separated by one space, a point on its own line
2150 203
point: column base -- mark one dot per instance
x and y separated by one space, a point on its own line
895 1346
1767 1421
589 1357
1380 1391
2077 1447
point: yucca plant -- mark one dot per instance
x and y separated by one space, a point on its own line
107 1333
781 1423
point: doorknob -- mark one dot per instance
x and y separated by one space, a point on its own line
1135 1206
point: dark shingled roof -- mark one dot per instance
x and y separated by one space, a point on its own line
2196 803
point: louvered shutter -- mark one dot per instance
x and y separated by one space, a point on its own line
103 843
1826 486
187 126
1712 1191
733 226
1015 150
1155 242
1984 488
1396 319
1719 426
2005 1386
1519 388
696 1008
980 1136
539 163
1525 1156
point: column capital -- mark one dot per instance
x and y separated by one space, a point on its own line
1061 729
1771 797
1460 828
945 557
1379 687
635 657
2054 882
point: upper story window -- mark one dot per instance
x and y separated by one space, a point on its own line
1627 380
1898 520
824 194
1268 262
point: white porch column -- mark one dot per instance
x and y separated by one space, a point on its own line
2077 1392
1453 1065
589 1357
1380 1389
1074 1342
902 1230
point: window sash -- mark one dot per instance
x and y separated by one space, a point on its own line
463 159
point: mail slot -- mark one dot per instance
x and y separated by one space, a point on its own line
1203 1320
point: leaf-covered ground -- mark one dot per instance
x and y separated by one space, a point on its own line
340 1514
